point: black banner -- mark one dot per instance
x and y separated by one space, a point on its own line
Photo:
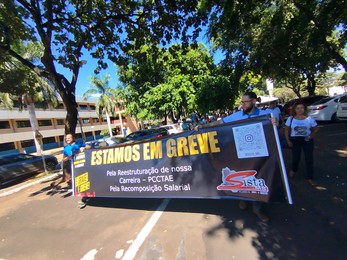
231 161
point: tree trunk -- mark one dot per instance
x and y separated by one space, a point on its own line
338 58
71 116
109 124
311 84
65 88
67 93
174 119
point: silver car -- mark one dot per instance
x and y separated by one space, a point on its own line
110 141
15 166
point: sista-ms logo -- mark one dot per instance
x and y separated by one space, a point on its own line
242 181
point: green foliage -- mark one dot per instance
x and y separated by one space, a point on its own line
100 88
329 79
284 94
177 82
12 28
6 101
215 93
105 29
18 80
281 40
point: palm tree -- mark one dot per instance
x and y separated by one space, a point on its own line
28 87
104 104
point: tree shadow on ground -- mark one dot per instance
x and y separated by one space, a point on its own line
299 231
55 186
314 227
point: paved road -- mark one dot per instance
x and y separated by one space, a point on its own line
39 223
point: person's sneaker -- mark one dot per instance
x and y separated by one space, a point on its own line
261 215
312 182
243 204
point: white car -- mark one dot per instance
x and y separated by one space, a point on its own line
326 108
172 129
342 109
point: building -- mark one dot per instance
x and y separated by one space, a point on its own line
16 133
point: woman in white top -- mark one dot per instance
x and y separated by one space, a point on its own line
300 130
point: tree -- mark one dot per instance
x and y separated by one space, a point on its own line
215 93
6 101
284 94
105 102
330 79
279 39
104 29
28 88
173 84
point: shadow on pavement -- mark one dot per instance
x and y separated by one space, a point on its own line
299 231
56 186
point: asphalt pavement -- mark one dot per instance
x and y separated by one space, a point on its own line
314 227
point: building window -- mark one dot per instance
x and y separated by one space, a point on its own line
83 107
60 106
343 99
85 120
60 121
48 140
7 146
47 122
23 123
28 143
95 120
78 137
4 125
40 105
92 107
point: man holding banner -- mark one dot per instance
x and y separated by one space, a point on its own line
249 110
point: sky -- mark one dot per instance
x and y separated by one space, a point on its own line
87 70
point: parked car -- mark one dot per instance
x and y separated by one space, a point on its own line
306 100
147 134
110 141
326 108
172 128
15 166
341 112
